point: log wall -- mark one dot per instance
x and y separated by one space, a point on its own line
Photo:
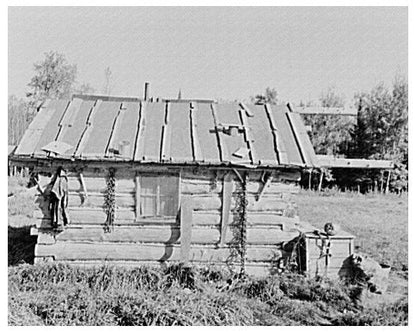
272 219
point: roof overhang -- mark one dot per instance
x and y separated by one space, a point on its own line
333 162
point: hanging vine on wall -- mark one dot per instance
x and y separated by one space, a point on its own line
110 200
239 242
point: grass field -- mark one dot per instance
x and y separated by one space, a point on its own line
62 295
378 221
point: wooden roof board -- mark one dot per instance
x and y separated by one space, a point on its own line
302 137
195 144
262 135
28 143
228 114
35 130
180 128
43 116
139 141
72 134
127 129
152 135
101 126
204 123
285 134
51 128
87 130
70 114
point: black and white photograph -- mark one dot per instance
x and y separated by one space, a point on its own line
207 165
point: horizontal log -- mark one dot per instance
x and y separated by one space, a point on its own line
99 185
142 252
253 218
109 251
254 187
211 218
98 200
211 185
99 216
214 202
200 187
266 203
164 235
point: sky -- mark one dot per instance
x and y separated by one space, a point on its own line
215 52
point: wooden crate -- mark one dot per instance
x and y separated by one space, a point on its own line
327 255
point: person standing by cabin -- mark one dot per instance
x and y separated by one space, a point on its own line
58 198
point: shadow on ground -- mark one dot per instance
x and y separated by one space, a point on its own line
21 245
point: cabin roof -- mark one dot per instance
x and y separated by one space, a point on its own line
176 132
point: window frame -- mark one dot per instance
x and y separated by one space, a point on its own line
138 195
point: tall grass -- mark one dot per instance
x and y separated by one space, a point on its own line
58 294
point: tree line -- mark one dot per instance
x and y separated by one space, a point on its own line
380 130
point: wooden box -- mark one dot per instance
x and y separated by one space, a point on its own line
327 256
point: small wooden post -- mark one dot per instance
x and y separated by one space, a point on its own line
186 228
137 197
388 182
227 191
84 187
310 178
382 181
321 177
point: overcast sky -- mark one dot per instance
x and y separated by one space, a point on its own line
212 52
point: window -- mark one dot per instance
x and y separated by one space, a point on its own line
159 196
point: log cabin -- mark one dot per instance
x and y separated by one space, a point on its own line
151 182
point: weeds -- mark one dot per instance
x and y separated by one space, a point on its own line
59 294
